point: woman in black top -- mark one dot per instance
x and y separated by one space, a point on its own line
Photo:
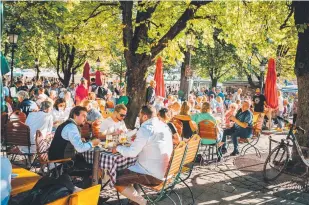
164 117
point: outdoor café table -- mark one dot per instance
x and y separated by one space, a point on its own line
24 181
110 162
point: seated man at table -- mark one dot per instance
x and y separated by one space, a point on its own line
242 127
153 147
67 138
114 125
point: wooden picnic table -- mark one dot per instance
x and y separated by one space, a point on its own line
24 181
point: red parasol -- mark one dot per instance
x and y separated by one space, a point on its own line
86 72
98 80
160 88
271 93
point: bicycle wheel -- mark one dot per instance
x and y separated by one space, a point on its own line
275 163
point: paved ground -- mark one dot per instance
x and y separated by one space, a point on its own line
237 180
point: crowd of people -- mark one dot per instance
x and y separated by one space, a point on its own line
162 122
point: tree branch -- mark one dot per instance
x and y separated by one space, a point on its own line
126 7
141 29
178 26
287 18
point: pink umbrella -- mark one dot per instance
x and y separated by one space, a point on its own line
271 92
160 88
86 72
98 80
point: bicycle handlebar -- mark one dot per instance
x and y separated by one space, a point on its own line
298 128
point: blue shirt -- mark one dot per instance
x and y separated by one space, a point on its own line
246 117
71 133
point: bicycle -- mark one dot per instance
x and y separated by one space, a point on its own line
278 158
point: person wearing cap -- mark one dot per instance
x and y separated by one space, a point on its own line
259 101
151 93
81 91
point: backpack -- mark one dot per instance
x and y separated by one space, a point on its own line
178 124
101 92
49 189
93 87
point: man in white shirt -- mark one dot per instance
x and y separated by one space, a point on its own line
153 147
114 125
237 94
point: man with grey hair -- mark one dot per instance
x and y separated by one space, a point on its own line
41 120
237 94
25 104
242 127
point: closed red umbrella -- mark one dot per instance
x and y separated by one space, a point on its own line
86 72
98 80
271 92
160 88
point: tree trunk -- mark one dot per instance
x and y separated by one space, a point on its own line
184 83
37 72
136 88
301 69
214 82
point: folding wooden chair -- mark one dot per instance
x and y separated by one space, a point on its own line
89 196
188 164
208 132
171 177
18 134
258 120
42 147
18 115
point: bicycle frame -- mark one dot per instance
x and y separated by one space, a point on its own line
293 138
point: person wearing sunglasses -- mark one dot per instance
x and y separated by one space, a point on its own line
230 112
115 125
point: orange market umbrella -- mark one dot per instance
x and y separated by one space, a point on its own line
160 88
271 93
86 72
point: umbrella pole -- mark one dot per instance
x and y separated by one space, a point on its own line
269 115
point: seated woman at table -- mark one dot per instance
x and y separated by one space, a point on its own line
230 112
206 115
153 148
163 115
58 113
114 125
188 126
92 114
67 137
41 120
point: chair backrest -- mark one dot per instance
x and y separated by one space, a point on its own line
4 119
95 126
110 104
89 196
176 160
41 146
106 114
207 130
192 149
17 133
258 119
85 130
178 124
18 115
